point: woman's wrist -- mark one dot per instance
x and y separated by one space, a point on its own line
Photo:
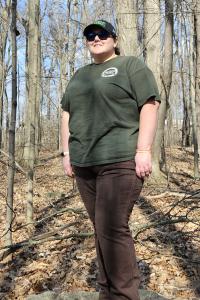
143 150
65 153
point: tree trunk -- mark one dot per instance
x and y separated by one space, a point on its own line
152 58
11 169
192 74
152 54
197 86
166 79
186 132
127 27
180 50
38 89
67 59
32 84
6 110
4 15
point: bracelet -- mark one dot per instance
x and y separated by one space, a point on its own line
143 151
64 153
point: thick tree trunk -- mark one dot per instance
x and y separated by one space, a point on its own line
165 86
67 59
127 27
152 58
11 169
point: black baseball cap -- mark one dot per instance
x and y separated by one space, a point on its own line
102 24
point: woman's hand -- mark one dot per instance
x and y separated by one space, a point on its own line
67 166
143 164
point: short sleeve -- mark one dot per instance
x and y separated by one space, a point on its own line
144 85
65 101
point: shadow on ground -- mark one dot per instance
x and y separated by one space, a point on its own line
178 241
23 257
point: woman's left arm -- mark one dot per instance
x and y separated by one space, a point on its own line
147 129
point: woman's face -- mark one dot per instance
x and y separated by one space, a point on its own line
101 46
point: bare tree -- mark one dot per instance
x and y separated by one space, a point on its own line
32 107
11 169
192 81
4 26
186 128
183 57
197 86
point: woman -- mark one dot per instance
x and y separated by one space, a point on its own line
108 125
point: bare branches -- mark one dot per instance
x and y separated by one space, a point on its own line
181 219
45 219
16 163
43 238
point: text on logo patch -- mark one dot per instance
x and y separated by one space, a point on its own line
109 72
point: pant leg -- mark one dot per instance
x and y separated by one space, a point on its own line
86 182
117 189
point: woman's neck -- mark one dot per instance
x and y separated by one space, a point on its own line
99 59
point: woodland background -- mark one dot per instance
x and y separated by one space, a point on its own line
46 239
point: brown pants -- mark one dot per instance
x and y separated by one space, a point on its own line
109 193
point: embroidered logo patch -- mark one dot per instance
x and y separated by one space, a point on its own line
109 72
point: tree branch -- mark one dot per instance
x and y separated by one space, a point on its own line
43 238
17 165
59 212
144 227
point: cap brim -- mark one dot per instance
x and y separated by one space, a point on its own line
89 27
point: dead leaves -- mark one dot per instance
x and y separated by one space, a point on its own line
168 255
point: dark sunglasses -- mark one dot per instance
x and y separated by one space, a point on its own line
102 35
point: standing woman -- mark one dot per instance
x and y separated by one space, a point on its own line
108 125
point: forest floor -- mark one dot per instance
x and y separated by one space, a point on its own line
60 255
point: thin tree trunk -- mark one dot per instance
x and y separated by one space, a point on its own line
1 101
197 87
5 144
33 80
11 169
38 91
186 134
3 40
181 57
186 128
192 75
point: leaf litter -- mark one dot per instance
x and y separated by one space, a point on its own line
167 252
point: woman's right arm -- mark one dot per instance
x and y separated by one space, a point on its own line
65 143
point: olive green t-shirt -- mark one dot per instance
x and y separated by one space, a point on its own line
103 101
